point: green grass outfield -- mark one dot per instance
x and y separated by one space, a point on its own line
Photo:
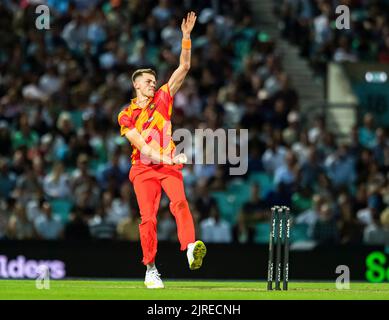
186 290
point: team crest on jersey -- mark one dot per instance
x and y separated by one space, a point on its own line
152 106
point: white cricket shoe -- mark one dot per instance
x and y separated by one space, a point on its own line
153 280
196 253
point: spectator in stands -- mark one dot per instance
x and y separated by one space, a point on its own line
254 157
45 148
215 229
87 195
344 53
114 213
203 201
204 171
323 185
5 139
301 19
311 215
374 206
355 145
29 184
289 96
302 146
378 232
366 133
274 156
325 230
61 142
121 207
340 168
252 212
19 227
364 159
100 227
81 151
327 147
282 195
291 133
321 24
162 12
24 136
84 204
6 207
360 198
7 179
251 117
382 143
218 181
48 226
287 173
81 175
280 115
128 228
77 228
310 169
301 199
56 184
317 131
350 228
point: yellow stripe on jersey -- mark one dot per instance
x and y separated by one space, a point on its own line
158 120
143 117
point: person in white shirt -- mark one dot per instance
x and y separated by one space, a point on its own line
215 229
56 183
47 225
310 216
287 173
274 157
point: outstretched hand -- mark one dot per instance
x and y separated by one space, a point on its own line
188 23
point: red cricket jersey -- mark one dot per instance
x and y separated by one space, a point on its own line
152 122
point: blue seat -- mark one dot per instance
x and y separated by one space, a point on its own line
263 180
62 208
226 205
241 190
76 116
299 232
262 232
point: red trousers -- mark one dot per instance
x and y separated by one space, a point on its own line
148 181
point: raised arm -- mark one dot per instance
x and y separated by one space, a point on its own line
179 74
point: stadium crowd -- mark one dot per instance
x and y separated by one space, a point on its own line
311 25
64 167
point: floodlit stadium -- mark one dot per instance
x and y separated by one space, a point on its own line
194 150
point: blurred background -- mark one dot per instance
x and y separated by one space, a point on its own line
315 100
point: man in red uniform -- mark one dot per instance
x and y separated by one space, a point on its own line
146 124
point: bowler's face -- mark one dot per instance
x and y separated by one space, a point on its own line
146 84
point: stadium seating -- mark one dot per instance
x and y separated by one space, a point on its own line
262 233
263 180
298 233
61 207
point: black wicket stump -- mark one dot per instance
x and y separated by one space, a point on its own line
279 235
270 267
286 218
278 253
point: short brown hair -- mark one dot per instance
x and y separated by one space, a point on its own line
140 72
